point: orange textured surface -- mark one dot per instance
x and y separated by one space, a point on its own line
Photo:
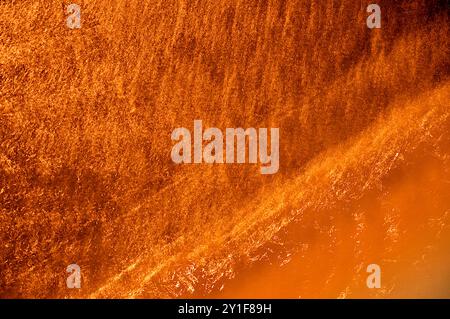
86 175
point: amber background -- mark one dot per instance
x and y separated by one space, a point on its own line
85 169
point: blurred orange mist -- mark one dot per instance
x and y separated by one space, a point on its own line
86 176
